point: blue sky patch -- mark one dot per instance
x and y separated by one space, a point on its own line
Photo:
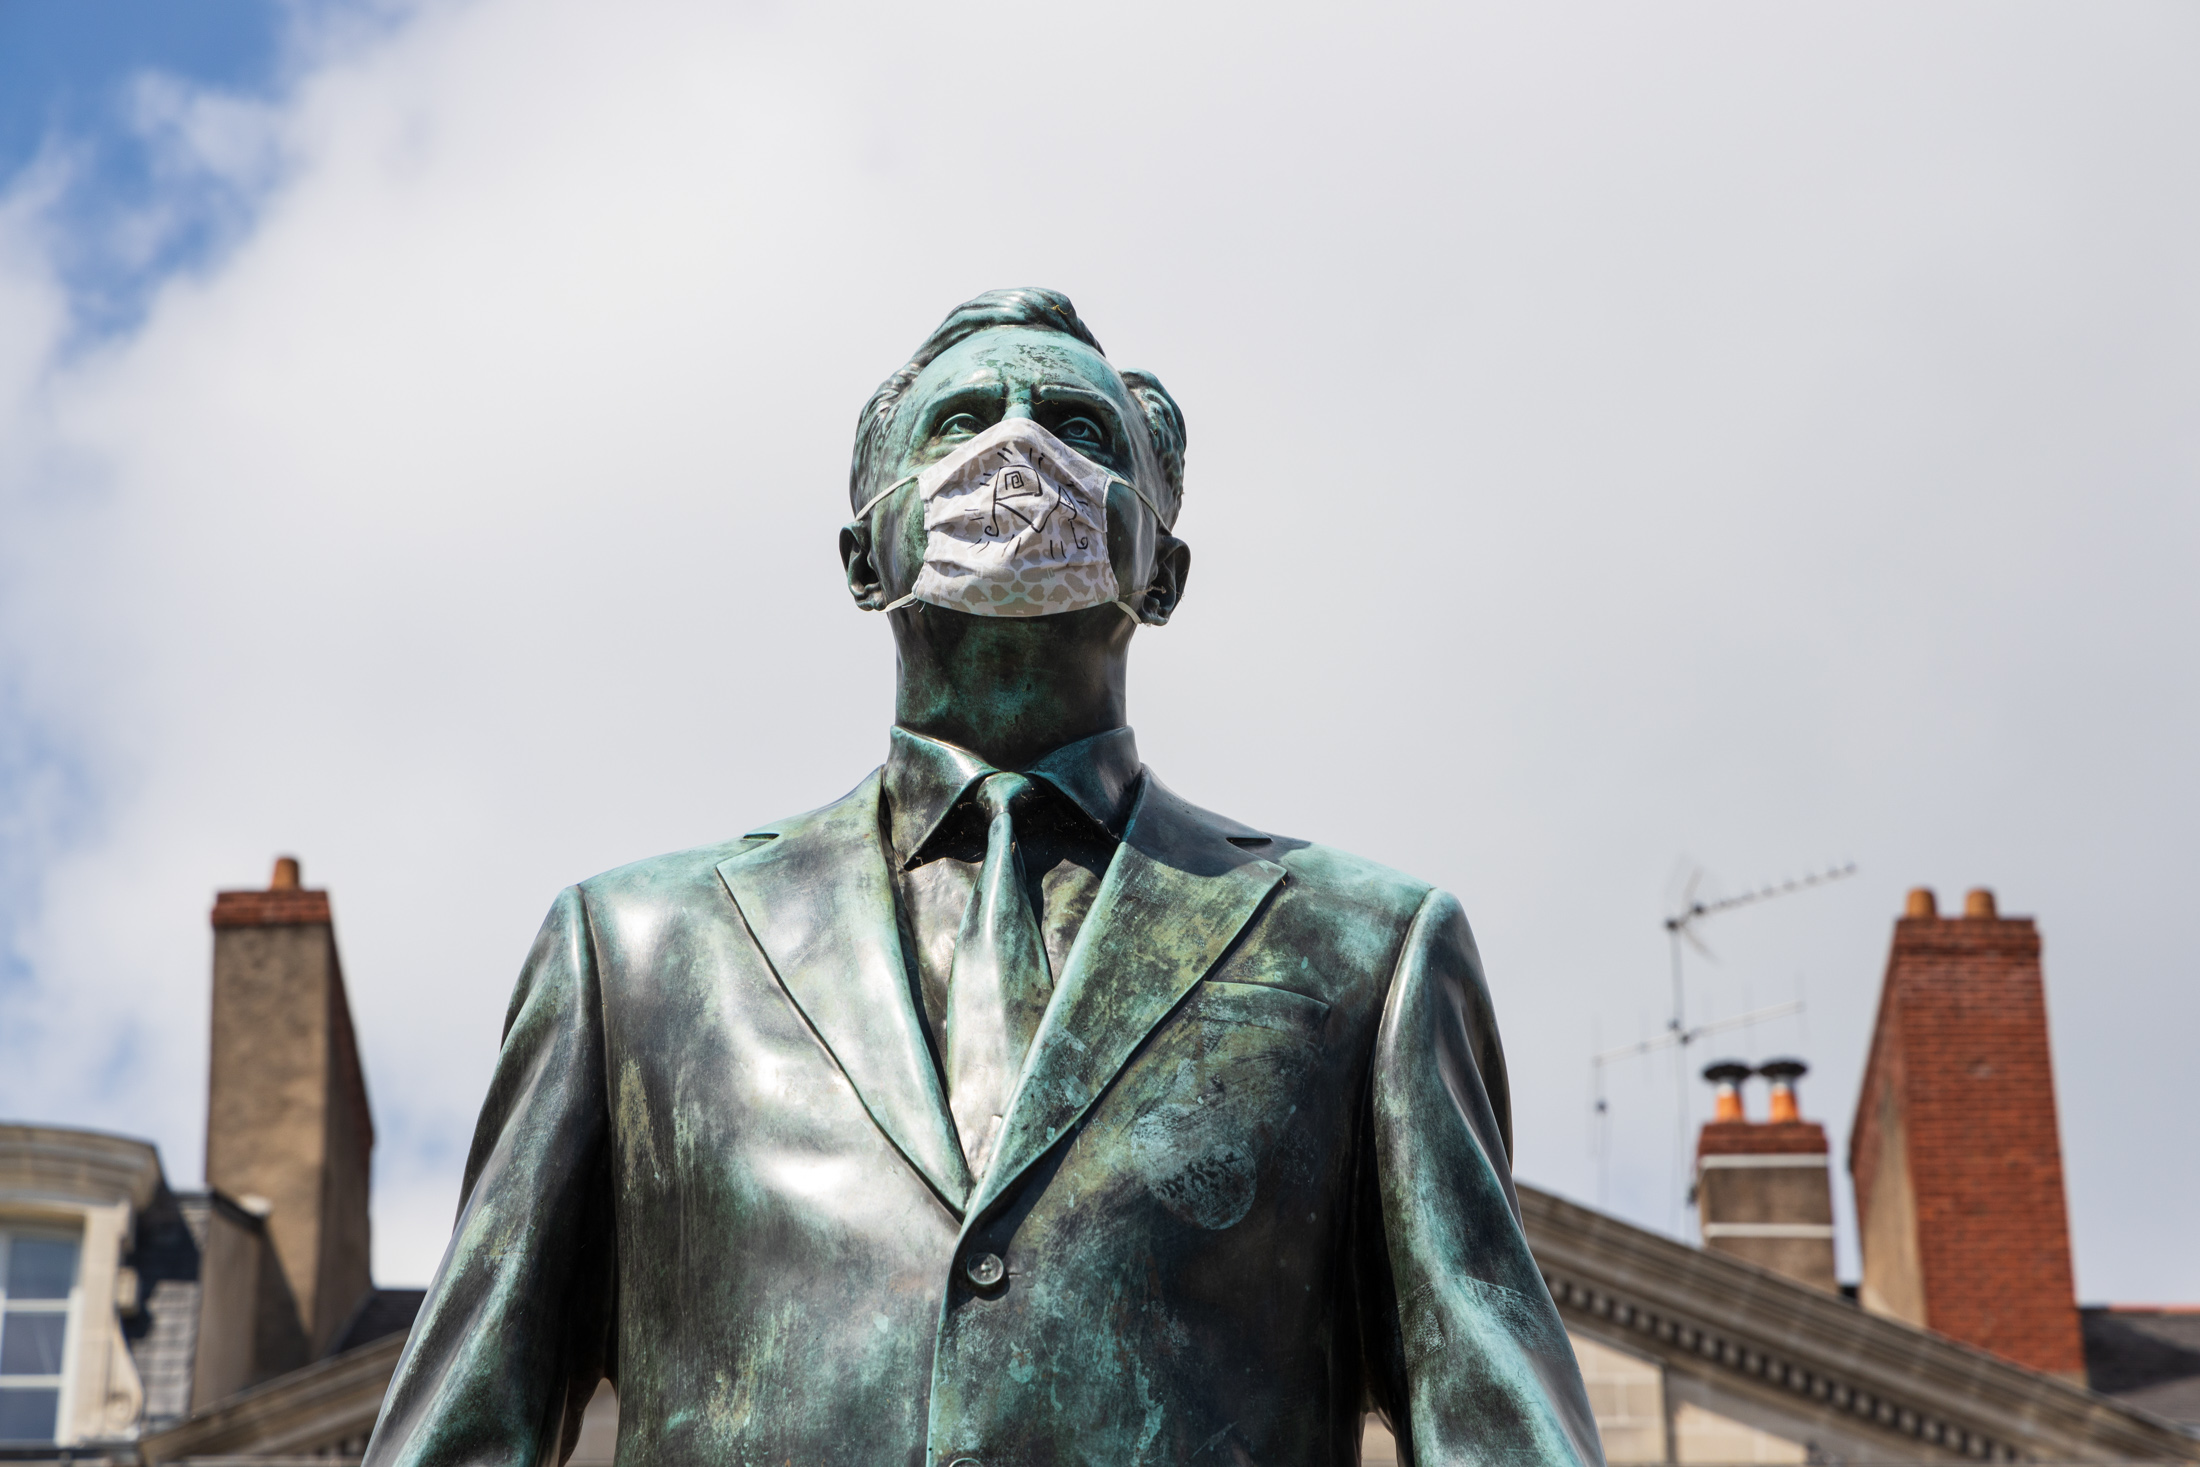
87 96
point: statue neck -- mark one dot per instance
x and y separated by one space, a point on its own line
1011 690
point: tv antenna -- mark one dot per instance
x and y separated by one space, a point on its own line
1681 931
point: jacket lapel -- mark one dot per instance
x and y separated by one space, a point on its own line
1174 898
819 901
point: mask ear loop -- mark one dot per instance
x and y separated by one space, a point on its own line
1123 603
877 499
863 517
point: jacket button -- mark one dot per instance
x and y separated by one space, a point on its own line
985 1270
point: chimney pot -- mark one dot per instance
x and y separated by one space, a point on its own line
1783 1073
1979 902
1728 1075
286 874
1922 903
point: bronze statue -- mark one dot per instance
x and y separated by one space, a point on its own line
1011 1109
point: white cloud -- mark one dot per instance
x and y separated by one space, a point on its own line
1762 433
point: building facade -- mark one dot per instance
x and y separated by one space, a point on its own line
238 1323
129 1308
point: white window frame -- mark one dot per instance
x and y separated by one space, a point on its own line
65 1382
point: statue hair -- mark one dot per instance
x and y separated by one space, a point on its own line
1041 309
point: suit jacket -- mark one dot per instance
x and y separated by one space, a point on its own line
1254 1178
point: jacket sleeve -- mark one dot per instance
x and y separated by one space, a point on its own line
513 1336
1465 1353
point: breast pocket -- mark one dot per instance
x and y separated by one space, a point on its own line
1260 1006
1223 1091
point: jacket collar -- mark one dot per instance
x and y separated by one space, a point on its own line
818 900
817 897
925 779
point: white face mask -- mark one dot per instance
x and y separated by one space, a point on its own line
1015 524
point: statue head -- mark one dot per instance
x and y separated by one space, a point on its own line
1008 355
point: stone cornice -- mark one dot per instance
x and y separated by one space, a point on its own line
53 1164
1720 1317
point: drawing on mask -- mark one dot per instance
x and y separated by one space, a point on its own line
1029 497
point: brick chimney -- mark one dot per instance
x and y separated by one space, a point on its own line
1763 1192
1959 1183
288 1131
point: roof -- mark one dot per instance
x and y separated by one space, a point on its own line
383 1312
163 1336
1768 1337
2148 1355
326 1409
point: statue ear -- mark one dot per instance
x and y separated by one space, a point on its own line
1172 566
855 559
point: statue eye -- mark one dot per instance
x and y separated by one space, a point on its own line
962 425
1082 430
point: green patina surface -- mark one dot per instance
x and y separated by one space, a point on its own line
1254 1179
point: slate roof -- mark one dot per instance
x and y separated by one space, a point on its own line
382 1313
164 1335
2146 1356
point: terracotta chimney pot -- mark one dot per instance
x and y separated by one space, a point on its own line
1922 903
1979 903
1726 1103
1783 1073
286 875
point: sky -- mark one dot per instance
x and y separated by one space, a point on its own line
1625 442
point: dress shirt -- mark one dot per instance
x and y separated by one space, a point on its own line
935 832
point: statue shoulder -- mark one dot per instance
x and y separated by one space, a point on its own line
1351 884
670 876
678 876
1319 876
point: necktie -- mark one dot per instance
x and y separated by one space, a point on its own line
998 988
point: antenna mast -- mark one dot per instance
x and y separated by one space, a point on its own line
1680 928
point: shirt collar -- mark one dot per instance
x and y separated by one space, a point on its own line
926 778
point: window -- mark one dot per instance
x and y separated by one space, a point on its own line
37 1281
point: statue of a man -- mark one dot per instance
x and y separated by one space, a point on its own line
1010 1110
